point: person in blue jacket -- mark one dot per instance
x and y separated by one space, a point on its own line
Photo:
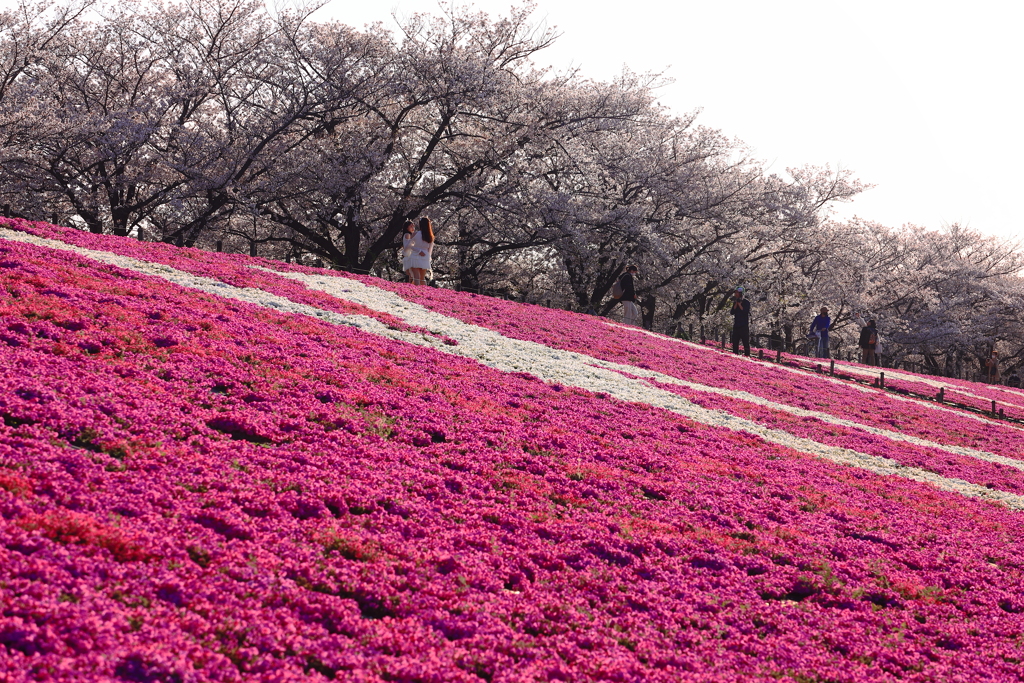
819 330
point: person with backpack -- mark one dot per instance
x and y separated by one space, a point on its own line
868 343
624 290
819 331
740 322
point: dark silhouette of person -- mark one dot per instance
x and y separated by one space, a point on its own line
740 322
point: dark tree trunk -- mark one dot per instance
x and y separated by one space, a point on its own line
388 240
604 284
119 217
469 279
648 312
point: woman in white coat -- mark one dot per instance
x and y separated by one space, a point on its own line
408 237
417 247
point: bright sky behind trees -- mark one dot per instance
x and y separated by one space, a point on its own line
919 98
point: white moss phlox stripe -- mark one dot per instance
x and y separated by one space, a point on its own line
929 405
832 419
494 350
574 369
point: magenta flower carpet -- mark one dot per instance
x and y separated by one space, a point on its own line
219 468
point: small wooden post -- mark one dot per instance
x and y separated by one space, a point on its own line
1001 414
817 368
832 368
760 354
942 394
881 380
778 355
993 407
220 246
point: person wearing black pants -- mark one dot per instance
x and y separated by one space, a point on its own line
740 322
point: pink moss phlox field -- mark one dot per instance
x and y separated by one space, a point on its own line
972 394
570 331
591 336
990 474
233 269
196 489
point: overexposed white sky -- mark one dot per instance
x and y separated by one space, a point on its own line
921 99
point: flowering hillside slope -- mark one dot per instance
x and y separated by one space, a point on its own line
216 468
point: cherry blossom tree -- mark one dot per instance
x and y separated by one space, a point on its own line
944 299
29 34
220 124
460 109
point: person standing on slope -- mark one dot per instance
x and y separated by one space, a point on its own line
868 342
630 311
819 330
740 322
992 368
417 249
408 242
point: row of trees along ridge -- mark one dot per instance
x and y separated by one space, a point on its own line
217 122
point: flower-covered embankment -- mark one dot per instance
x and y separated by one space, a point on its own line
199 488
695 362
570 368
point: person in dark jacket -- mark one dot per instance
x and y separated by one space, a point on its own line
630 311
740 322
867 342
819 330
992 368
